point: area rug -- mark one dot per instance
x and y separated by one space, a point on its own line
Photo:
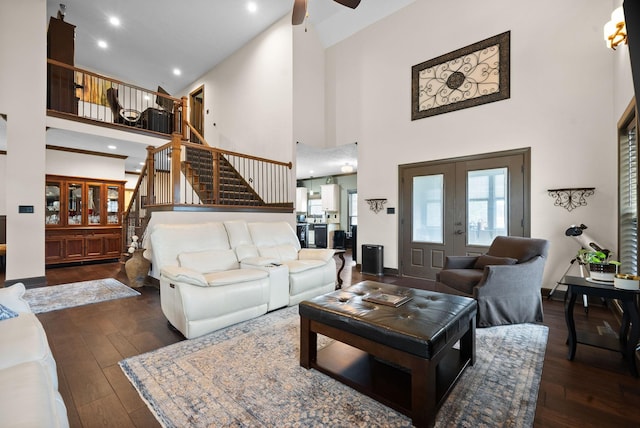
54 297
248 375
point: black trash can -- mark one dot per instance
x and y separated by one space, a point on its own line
372 259
339 239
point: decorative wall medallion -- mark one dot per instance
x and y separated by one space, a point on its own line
470 76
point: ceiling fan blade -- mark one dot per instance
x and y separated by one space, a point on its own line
299 12
349 3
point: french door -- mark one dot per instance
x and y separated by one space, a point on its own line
457 207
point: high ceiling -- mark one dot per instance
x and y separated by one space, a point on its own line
156 36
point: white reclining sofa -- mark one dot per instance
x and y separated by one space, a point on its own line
29 394
216 274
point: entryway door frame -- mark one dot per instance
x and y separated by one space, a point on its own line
454 215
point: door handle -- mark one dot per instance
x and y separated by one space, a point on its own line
459 232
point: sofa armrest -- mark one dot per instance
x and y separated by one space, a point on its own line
182 274
511 280
460 262
315 254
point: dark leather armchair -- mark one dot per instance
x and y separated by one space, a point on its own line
505 281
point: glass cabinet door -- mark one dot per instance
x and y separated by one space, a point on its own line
52 203
94 206
113 200
74 207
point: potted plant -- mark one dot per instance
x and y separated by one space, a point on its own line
601 266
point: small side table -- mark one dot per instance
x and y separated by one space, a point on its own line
629 330
340 254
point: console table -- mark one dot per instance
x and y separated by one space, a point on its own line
629 334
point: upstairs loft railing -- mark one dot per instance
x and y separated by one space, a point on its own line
82 95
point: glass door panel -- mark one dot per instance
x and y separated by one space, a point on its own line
486 205
52 203
94 207
428 209
113 200
74 207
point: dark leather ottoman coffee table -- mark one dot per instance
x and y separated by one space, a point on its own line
401 356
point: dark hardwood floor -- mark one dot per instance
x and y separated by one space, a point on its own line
594 390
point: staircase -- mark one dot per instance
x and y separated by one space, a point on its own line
199 171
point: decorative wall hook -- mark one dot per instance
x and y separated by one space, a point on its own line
376 205
571 198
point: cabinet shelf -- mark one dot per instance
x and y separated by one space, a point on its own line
82 219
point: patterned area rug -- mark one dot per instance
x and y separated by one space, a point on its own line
52 298
248 375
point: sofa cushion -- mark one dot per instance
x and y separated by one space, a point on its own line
238 233
11 297
296 266
209 260
269 234
246 251
6 313
486 260
236 276
284 252
169 240
461 279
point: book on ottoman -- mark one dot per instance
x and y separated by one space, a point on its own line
386 299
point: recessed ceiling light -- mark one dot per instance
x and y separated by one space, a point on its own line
252 7
112 147
102 44
115 21
177 72
141 163
138 170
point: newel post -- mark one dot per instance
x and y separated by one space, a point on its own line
176 148
151 172
184 118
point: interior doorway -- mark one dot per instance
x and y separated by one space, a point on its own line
457 206
196 112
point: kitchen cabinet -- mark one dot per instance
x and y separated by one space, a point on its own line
301 199
330 195
83 219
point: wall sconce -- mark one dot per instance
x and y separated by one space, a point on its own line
376 205
572 197
615 31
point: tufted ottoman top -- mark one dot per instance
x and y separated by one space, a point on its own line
422 326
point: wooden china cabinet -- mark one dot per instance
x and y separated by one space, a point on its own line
83 218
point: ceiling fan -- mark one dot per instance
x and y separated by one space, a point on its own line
300 9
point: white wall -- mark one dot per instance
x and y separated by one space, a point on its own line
249 97
22 53
308 88
82 165
561 106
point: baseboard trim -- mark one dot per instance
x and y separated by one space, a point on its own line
34 282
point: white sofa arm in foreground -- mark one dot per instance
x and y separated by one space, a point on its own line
29 394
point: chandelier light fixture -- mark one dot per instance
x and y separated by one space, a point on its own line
346 168
615 31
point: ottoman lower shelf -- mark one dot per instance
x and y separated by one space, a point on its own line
382 381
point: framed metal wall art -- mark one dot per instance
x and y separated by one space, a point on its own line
474 75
